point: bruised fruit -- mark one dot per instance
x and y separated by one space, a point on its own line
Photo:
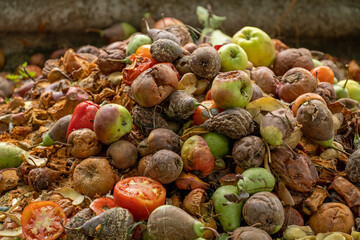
278 128
250 233
165 50
155 84
164 166
231 89
291 58
233 122
265 78
123 154
249 152
112 122
205 62
303 98
295 82
197 156
147 119
83 143
160 138
42 178
353 167
296 171
109 61
264 208
332 217
317 122
93 176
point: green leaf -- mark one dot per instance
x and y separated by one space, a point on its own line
24 64
209 20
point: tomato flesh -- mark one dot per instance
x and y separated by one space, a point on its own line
41 220
140 195
100 205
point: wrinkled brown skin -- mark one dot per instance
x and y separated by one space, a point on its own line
122 154
165 50
58 131
165 166
193 201
106 65
179 105
348 191
77 221
205 62
160 138
249 152
233 122
326 91
264 208
296 82
152 86
291 58
316 120
8 179
257 92
264 77
183 65
147 119
93 176
171 223
298 174
83 143
332 217
181 32
42 178
89 49
353 167
250 233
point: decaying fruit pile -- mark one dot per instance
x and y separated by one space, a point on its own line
169 134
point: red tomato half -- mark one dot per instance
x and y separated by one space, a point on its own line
41 220
140 195
201 114
100 205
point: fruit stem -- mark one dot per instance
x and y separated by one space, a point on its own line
146 24
291 150
217 235
347 75
207 109
338 149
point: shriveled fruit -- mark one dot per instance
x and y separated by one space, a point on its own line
332 217
295 82
164 166
83 143
291 58
160 138
93 176
249 152
316 120
250 233
147 119
165 50
205 62
326 91
278 128
123 154
233 122
265 78
353 167
42 178
264 208
155 84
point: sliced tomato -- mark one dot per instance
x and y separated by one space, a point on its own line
140 195
201 114
41 220
139 64
100 205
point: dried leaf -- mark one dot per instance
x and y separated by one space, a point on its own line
72 194
285 195
193 131
11 232
33 160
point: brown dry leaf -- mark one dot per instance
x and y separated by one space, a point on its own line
104 95
348 191
326 169
285 195
39 117
78 65
123 97
192 202
193 131
188 83
354 71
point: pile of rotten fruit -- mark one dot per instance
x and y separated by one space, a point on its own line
179 134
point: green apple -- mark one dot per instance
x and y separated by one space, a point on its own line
317 63
112 121
233 57
257 44
353 87
231 89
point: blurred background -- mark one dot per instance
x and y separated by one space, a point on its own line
30 26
